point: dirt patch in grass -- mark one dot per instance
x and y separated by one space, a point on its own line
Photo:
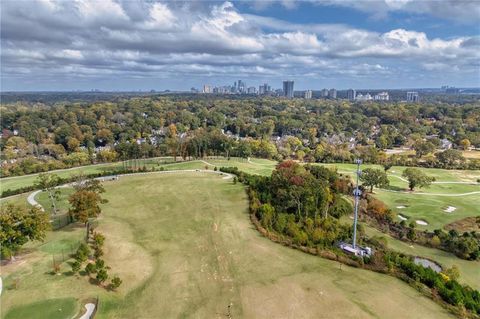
464 225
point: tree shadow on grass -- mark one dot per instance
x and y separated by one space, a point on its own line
396 188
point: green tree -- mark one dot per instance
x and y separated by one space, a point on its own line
423 148
18 225
450 158
76 266
102 276
374 177
115 283
90 269
417 178
82 252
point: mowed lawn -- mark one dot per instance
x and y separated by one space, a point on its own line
184 247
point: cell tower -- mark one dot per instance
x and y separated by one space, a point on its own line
353 248
356 193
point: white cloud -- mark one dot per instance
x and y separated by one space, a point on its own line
146 39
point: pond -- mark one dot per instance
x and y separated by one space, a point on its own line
427 264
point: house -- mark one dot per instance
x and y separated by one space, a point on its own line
445 144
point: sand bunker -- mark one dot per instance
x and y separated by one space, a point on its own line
421 222
450 209
402 217
401 207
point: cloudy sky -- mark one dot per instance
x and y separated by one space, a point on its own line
132 45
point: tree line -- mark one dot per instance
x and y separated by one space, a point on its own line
42 136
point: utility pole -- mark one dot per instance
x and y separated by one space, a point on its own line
356 194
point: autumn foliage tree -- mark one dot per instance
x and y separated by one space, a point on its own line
85 202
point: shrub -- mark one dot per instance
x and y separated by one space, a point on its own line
82 253
98 252
98 239
115 283
99 264
76 266
102 276
90 269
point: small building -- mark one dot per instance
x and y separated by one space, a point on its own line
357 250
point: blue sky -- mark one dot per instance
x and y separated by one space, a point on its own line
127 45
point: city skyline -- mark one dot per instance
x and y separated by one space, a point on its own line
116 45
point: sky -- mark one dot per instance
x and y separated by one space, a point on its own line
142 45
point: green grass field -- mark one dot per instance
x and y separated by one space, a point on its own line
16 182
184 247
60 308
428 207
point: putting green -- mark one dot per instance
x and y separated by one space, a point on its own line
61 308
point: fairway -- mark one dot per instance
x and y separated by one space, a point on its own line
184 246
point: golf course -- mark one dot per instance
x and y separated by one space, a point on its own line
184 246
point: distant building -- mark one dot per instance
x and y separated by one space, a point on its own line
351 94
207 89
288 89
241 87
307 94
361 97
264 89
452 90
324 93
412 97
382 96
332 93
252 90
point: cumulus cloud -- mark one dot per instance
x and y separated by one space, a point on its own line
51 39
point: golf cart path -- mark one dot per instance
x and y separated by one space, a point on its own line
466 183
31 198
431 194
90 308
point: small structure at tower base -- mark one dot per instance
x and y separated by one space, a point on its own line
357 250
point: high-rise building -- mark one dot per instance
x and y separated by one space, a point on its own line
252 90
351 94
264 89
308 94
412 97
324 93
332 93
207 89
288 89
242 87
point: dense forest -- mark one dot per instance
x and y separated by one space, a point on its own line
39 136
